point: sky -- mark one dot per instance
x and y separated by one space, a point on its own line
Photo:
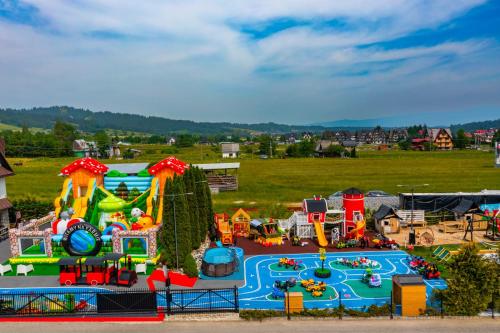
290 61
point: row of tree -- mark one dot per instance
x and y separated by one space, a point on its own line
55 143
187 218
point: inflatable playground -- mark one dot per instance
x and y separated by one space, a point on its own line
106 216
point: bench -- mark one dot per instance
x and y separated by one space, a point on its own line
24 269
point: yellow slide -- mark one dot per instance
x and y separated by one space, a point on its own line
80 204
321 234
63 197
359 231
149 202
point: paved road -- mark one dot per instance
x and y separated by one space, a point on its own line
275 326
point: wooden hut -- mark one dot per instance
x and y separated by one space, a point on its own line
386 220
241 223
408 291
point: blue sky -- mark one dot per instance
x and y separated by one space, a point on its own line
292 61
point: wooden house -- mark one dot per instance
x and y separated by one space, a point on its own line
441 138
241 223
408 293
387 220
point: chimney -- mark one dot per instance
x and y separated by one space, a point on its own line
2 146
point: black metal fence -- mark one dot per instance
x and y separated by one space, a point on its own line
84 302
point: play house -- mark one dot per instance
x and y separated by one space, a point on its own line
241 223
387 220
408 293
223 226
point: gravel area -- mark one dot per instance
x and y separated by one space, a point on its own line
371 203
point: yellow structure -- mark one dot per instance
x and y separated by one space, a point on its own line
241 223
408 290
296 302
85 174
162 171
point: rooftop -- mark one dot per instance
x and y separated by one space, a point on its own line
218 166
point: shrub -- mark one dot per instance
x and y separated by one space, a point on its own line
30 208
189 266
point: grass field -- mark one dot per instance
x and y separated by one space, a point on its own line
266 183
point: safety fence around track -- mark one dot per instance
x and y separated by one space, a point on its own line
85 302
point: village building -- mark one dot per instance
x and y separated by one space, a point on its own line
230 149
5 171
83 148
441 138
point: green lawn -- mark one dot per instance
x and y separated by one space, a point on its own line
267 183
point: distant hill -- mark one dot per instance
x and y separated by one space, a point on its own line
470 127
353 123
89 121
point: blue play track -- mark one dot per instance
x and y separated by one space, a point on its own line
259 279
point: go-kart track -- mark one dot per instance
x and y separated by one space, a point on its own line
262 271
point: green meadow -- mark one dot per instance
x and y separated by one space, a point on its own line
264 184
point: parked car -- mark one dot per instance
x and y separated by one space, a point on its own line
335 195
377 193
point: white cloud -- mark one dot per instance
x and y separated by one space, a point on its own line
177 58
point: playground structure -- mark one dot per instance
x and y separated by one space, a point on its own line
267 233
122 211
241 223
224 230
229 228
347 223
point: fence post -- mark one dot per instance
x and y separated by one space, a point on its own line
287 303
391 316
341 309
168 297
441 306
493 296
236 301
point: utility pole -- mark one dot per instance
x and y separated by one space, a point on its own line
271 147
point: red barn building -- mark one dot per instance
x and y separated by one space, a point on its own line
315 209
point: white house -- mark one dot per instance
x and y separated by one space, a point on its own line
5 171
230 149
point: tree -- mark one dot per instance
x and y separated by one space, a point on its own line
460 140
122 191
471 284
64 134
103 142
192 201
267 146
201 203
185 140
335 151
175 200
404 144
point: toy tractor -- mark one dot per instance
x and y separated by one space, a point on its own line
289 263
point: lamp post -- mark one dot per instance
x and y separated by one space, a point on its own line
172 197
411 239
